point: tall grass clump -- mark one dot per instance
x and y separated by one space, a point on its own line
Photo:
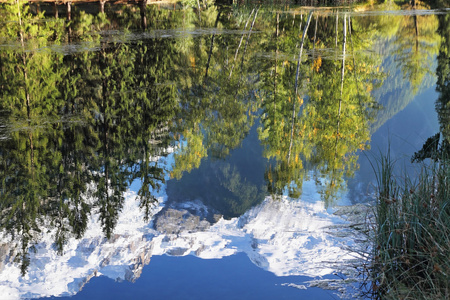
411 252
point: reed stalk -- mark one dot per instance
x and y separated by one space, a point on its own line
411 236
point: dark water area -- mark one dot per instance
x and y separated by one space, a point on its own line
198 151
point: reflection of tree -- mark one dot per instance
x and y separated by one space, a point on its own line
154 105
239 195
21 194
29 98
81 128
131 117
339 116
408 44
443 75
331 125
281 133
218 108
191 152
438 146
86 125
416 43
224 186
430 149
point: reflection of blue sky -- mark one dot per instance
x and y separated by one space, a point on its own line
409 128
403 134
233 277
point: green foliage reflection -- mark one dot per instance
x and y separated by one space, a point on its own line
91 104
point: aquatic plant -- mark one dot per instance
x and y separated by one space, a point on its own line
411 236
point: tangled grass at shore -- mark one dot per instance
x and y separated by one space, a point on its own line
411 234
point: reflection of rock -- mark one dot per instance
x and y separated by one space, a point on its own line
86 280
5 256
174 221
134 271
177 251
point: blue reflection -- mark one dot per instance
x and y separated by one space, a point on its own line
189 277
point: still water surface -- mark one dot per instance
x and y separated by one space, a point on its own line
197 154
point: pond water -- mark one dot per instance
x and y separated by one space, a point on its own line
202 152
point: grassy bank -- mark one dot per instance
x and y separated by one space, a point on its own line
411 253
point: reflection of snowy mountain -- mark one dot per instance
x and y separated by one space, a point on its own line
283 236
